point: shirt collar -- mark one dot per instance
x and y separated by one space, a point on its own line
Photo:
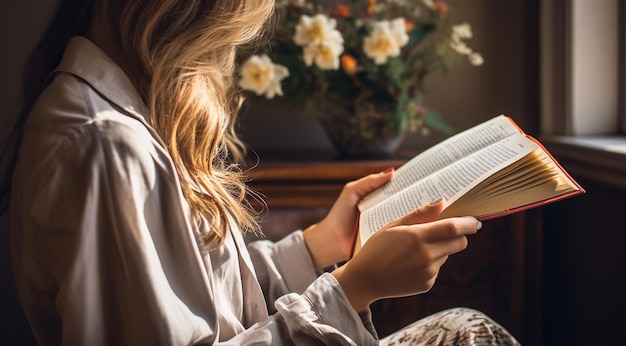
88 62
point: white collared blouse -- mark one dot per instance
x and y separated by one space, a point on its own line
103 249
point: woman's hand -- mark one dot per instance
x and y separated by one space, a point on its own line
330 240
404 258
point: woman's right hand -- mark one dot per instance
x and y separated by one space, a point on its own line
404 258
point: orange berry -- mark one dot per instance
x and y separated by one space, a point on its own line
441 8
371 7
408 25
341 11
348 64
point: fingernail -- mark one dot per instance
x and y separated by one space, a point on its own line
479 225
435 200
388 170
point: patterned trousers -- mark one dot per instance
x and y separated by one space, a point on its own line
458 326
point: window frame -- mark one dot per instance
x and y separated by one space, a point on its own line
599 154
622 67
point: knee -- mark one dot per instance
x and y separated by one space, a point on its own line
476 328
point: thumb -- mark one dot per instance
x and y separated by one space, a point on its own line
360 188
422 214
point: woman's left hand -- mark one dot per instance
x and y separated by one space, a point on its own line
330 240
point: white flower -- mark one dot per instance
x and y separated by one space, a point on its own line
325 54
322 43
262 76
385 40
317 28
460 32
460 47
398 27
476 59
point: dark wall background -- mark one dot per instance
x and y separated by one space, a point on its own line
21 23
584 268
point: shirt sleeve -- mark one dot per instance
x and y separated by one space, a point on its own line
321 315
282 267
307 302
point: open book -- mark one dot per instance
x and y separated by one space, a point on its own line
490 170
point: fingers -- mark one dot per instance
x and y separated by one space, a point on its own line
360 188
423 214
441 238
450 228
437 230
450 246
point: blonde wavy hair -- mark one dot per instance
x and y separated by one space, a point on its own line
183 55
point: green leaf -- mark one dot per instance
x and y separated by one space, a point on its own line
420 33
433 120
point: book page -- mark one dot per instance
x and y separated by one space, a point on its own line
444 154
450 183
532 181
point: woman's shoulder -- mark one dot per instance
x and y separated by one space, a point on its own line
73 122
70 108
69 102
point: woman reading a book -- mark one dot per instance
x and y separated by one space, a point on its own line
127 205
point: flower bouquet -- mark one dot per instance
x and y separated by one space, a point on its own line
359 66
